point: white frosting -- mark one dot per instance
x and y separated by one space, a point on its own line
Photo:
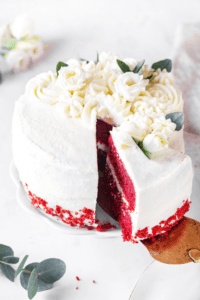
43 87
113 95
55 121
129 85
160 184
58 159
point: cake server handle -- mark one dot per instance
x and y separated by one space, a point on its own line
181 244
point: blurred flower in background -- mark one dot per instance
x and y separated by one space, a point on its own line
18 47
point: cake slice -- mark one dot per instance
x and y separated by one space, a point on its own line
146 196
57 160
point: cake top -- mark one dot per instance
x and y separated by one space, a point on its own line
124 93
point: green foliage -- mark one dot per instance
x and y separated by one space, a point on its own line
124 67
163 64
138 68
59 65
177 118
36 277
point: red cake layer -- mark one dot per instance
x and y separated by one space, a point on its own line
110 199
123 178
102 132
67 217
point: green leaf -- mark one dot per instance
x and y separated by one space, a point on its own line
11 259
21 265
145 151
24 279
124 67
177 118
83 59
139 66
135 140
32 284
60 64
9 44
5 251
163 64
51 270
97 57
8 271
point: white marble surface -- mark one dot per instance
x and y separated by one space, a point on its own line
141 29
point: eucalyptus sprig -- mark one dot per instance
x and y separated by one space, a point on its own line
35 277
162 64
125 68
87 61
177 118
59 65
141 146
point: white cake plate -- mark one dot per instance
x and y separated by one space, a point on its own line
56 222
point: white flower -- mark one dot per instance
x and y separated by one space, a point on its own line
22 26
18 60
72 78
37 50
33 47
129 85
155 142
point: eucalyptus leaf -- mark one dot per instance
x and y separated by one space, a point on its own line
11 259
177 118
124 67
5 251
163 64
97 57
24 279
135 140
33 284
21 265
60 64
83 59
8 271
145 151
51 270
139 66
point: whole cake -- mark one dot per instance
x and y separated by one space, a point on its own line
111 132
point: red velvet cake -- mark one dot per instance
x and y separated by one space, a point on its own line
111 132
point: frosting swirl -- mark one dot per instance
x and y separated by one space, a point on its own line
129 85
43 87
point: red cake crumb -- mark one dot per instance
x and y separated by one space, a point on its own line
164 226
86 214
77 278
94 281
121 214
76 288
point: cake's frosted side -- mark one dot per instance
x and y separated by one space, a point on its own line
162 185
56 156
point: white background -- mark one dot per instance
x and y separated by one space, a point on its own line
71 29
